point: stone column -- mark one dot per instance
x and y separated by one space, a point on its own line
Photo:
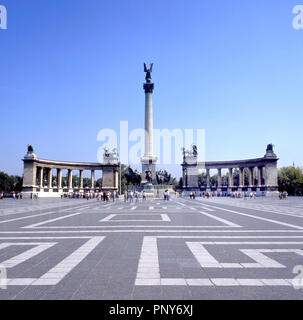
41 179
116 173
148 160
50 179
183 176
251 177
81 179
230 178
250 182
260 176
219 179
70 180
92 180
148 124
59 179
207 179
241 178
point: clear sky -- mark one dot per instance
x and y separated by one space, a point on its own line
70 68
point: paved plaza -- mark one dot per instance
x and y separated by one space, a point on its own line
218 248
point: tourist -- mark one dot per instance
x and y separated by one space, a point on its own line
131 197
165 195
137 196
143 195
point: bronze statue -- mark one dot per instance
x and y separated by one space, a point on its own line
30 148
148 72
106 152
195 152
148 175
160 177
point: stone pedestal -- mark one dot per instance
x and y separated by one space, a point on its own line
29 173
149 163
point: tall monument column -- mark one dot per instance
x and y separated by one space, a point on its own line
148 160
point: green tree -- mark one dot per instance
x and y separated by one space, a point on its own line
16 183
123 171
213 180
5 183
290 179
99 183
86 182
236 176
202 179
10 183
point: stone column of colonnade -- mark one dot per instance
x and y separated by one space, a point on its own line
230 178
92 181
207 179
219 179
81 179
59 179
260 176
70 180
251 177
41 178
116 173
241 178
50 179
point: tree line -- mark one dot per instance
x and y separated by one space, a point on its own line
10 183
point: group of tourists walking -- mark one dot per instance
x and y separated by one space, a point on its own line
131 196
214 194
102 195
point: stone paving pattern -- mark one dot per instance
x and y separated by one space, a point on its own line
218 248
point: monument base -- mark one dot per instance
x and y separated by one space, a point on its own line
156 191
28 194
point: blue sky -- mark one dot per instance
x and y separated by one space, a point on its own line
70 68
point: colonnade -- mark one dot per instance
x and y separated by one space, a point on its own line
35 170
42 171
255 174
262 173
